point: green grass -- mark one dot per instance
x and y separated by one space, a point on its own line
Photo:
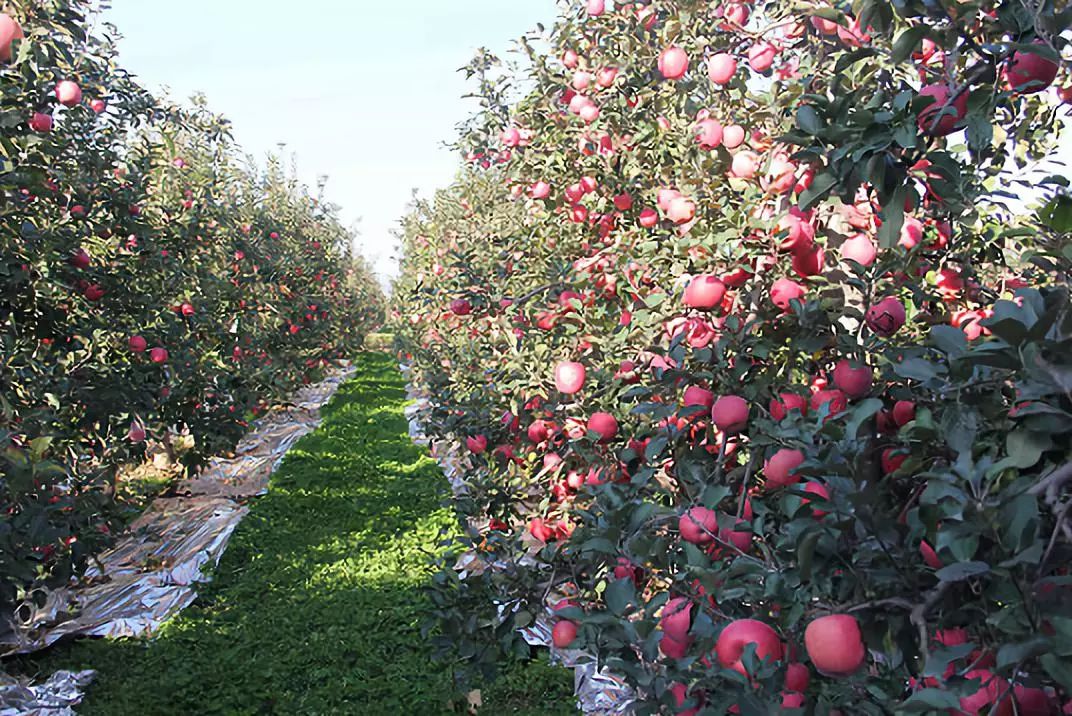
317 603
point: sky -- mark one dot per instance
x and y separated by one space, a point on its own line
364 92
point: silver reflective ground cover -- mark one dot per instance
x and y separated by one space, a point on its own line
598 692
149 575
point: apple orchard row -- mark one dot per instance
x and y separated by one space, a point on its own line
153 285
749 323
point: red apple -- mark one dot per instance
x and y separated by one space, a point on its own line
814 487
137 344
41 122
68 93
673 63
709 133
477 444
698 525
1029 72
704 292
738 634
569 377
10 30
158 355
951 116
460 307
779 470
835 645
721 68
797 677
80 259
784 291
886 317
730 413
603 425
563 633
904 412
786 402
855 381
732 136
695 395
860 249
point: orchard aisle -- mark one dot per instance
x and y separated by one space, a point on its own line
317 604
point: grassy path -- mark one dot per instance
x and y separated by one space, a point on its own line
316 605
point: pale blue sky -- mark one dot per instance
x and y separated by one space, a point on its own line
365 92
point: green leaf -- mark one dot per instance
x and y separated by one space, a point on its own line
861 412
619 595
907 42
820 187
926 700
808 120
1058 668
962 570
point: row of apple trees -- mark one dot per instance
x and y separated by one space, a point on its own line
153 281
751 322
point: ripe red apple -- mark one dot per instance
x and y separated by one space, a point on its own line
93 292
761 56
681 696
991 688
1029 72
797 677
814 487
1032 702
136 433
569 377
704 292
68 93
835 645
951 116
784 291
539 529
930 556
563 633
835 399
477 444
785 402
673 63
809 261
730 414
854 381
460 307
10 30
779 470
41 122
886 317
904 412
648 218
98 106
80 259
158 355
698 525
739 634
709 133
695 395
540 190
744 165
860 249
792 700
892 459
732 136
137 344
604 425
596 7
721 68
623 201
